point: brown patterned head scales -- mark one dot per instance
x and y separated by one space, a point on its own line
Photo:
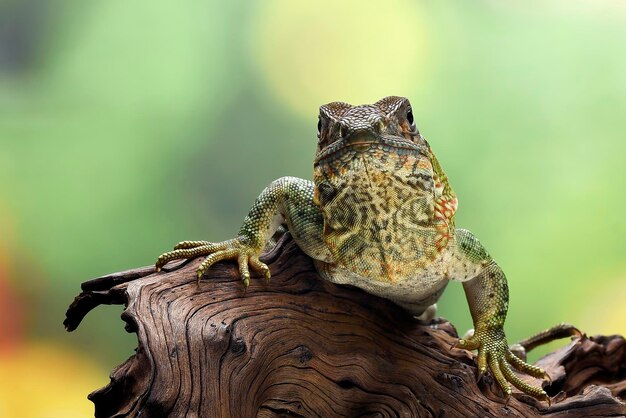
391 117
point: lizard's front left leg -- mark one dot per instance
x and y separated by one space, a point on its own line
488 298
267 213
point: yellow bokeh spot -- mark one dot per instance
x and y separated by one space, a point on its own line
44 380
316 52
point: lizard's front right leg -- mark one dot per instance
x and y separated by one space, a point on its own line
265 216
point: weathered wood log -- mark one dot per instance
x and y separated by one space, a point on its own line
301 346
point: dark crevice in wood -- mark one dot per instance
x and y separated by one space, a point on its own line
303 347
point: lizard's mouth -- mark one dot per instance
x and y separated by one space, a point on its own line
389 143
361 145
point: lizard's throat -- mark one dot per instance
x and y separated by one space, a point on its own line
378 210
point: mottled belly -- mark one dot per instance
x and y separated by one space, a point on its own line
415 293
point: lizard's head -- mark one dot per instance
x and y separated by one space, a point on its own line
389 122
374 181
366 142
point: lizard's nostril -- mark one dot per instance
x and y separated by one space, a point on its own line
346 129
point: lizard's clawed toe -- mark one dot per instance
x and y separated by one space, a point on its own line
234 249
494 355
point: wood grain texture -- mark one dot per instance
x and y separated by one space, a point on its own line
304 347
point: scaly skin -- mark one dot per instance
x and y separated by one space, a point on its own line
379 215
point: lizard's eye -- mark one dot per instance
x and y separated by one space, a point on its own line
319 126
411 120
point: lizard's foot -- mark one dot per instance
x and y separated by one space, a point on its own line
494 353
234 249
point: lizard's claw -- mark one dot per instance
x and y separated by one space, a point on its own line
234 249
494 355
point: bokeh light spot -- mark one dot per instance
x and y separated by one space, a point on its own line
47 380
315 52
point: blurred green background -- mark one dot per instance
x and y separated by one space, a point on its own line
126 127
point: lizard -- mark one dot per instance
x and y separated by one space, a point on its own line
379 215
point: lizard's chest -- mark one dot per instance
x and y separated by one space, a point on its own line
379 216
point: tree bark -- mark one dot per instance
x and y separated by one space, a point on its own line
300 346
